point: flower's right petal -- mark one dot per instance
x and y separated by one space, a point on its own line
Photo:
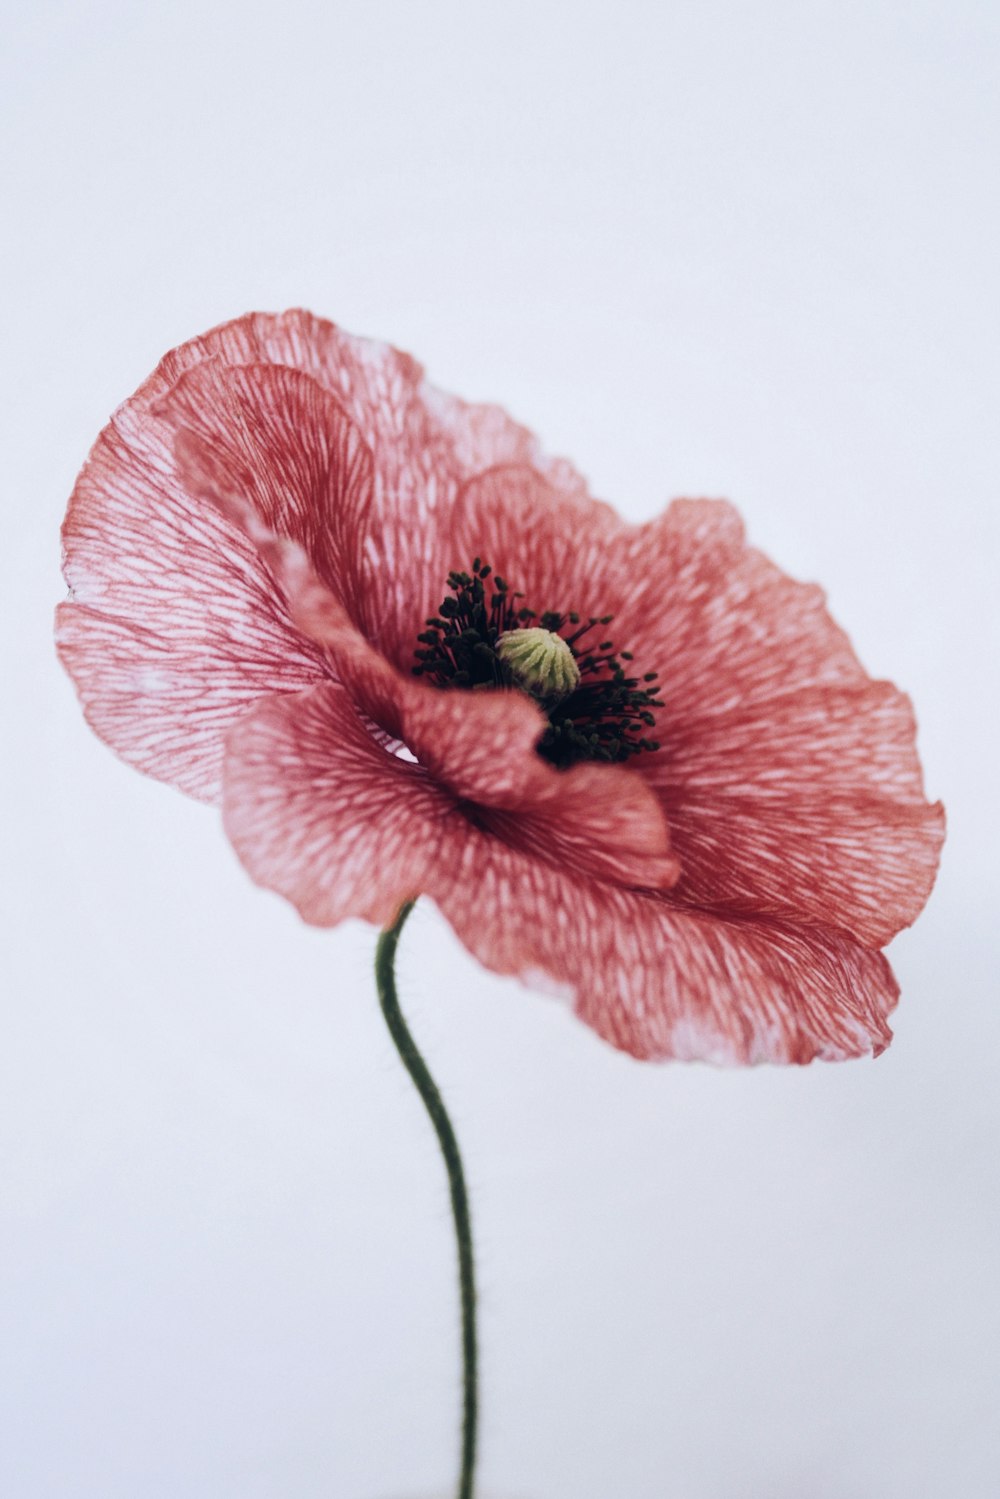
321 813
808 806
660 982
721 623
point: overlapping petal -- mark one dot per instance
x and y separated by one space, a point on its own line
274 437
425 444
311 796
328 817
550 544
480 746
173 626
661 982
320 812
724 626
805 806
791 777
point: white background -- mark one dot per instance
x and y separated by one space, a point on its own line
702 248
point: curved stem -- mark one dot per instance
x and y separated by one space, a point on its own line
385 955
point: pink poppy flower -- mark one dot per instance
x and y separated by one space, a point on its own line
706 861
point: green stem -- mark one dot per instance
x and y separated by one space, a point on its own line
385 955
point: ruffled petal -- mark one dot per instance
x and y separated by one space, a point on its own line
322 812
665 983
547 543
174 625
723 626
865 865
412 427
326 816
425 444
596 820
274 437
480 744
790 778
163 695
806 806
173 614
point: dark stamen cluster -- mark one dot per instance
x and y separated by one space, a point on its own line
459 644
604 718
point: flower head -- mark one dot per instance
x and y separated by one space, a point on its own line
638 760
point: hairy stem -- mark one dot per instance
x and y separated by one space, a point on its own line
385 979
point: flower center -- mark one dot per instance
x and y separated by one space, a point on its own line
540 661
484 636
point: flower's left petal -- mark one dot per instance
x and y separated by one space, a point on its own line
424 442
320 812
481 744
164 693
174 625
279 441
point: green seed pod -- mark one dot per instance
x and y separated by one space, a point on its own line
540 662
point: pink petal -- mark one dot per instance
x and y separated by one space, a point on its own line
276 439
722 624
864 865
549 544
661 982
479 748
185 627
410 425
425 444
320 812
596 820
164 698
174 625
806 805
